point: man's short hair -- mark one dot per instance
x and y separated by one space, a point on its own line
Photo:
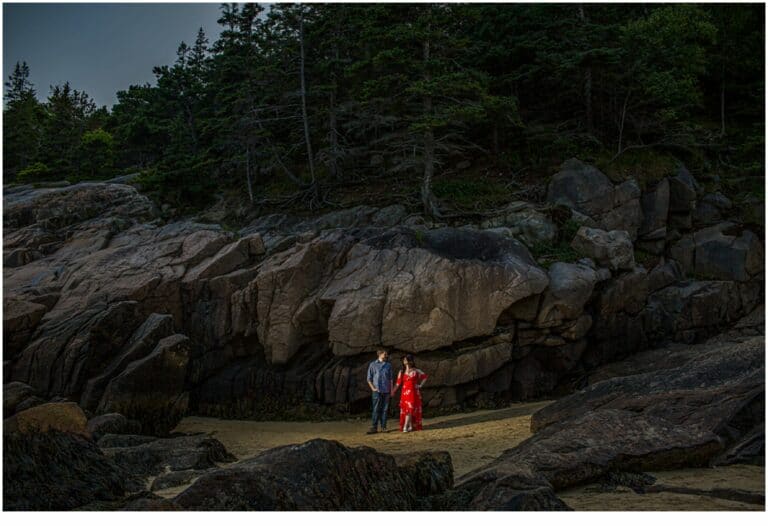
381 351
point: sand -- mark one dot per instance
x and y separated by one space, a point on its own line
474 439
740 476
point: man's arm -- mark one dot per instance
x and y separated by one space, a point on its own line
370 378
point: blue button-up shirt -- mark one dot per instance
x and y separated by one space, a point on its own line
380 375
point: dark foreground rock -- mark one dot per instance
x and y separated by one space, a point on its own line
687 407
18 396
116 423
580 450
319 475
711 391
168 454
59 471
67 417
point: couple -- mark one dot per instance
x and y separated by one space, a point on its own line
382 387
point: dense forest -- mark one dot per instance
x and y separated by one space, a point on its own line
444 107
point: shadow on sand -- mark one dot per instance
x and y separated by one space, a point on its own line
517 410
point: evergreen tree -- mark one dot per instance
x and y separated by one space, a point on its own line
68 115
22 122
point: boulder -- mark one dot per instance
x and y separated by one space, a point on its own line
15 393
570 287
692 310
627 213
114 440
141 343
683 252
625 293
317 475
709 392
175 479
474 364
655 205
152 390
181 453
664 274
68 351
67 205
20 317
57 471
683 190
228 259
151 504
581 187
718 200
427 292
66 417
611 249
721 254
588 191
101 425
706 214
284 294
524 221
581 449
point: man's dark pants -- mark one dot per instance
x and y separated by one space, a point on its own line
380 408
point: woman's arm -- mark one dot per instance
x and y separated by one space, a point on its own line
397 384
423 377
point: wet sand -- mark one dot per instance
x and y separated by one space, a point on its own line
474 439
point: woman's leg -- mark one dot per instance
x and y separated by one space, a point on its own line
407 425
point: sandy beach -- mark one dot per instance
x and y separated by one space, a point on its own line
473 439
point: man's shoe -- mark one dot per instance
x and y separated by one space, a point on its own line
384 430
371 431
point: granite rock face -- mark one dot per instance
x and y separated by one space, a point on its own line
124 313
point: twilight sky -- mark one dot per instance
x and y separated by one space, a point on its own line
99 48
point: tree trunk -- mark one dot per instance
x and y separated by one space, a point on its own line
333 134
248 172
722 101
587 83
310 157
621 125
427 197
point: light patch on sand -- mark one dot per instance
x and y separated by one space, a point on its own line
473 439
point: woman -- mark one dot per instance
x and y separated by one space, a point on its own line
411 380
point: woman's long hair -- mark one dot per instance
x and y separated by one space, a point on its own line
410 359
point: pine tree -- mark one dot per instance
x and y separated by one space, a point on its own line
22 122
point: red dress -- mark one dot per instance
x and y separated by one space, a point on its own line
410 397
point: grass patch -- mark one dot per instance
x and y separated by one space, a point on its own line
648 167
472 193
546 254
646 259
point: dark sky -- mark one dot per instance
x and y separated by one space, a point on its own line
99 48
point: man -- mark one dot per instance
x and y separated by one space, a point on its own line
380 382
